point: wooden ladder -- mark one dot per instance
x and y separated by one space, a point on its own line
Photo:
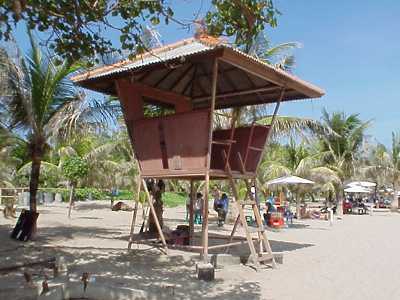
264 252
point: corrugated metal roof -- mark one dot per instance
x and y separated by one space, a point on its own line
186 49
189 48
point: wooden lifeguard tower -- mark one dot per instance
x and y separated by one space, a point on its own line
193 78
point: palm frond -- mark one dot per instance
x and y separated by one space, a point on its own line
294 126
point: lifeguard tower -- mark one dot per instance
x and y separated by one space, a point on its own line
193 78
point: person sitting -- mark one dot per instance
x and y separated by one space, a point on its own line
198 209
269 210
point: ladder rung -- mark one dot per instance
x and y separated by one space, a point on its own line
256 149
264 256
223 142
258 229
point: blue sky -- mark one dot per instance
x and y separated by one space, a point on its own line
350 48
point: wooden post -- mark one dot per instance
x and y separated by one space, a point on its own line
160 233
208 162
191 208
139 183
205 219
232 233
71 200
278 104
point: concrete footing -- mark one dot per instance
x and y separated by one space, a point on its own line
205 271
220 261
277 256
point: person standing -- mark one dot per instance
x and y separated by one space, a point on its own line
222 206
198 208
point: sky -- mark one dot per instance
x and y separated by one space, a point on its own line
351 49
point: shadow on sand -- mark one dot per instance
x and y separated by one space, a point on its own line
144 269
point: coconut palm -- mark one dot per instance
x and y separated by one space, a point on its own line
343 147
43 105
340 149
279 55
297 160
386 165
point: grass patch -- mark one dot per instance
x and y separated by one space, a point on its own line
174 199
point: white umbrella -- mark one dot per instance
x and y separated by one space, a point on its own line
289 180
365 184
357 189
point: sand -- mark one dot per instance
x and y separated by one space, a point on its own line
356 258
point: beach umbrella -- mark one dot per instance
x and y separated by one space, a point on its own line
365 184
289 180
357 189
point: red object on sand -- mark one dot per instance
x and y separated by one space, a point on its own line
276 220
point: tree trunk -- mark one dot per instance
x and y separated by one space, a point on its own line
36 156
34 183
339 203
71 200
298 209
158 207
395 201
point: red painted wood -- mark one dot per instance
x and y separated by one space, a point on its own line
183 141
241 138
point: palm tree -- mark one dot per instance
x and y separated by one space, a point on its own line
279 55
340 150
386 165
43 105
298 160
343 147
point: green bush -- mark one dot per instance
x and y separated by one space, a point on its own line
90 193
82 194
124 195
75 168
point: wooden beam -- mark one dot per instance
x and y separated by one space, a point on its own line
138 183
206 76
227 245
191 82
241 212
181 103
278 104
229 80
143 76
270 74
169 71
131 100
268 88
232 102
153 211
208 162
180 78
191 209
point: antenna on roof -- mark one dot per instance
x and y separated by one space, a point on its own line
154 37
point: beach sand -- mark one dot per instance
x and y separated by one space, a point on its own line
356 258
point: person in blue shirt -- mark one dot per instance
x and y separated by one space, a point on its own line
221 206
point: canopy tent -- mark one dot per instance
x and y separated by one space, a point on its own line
357 189
289 180
365 184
